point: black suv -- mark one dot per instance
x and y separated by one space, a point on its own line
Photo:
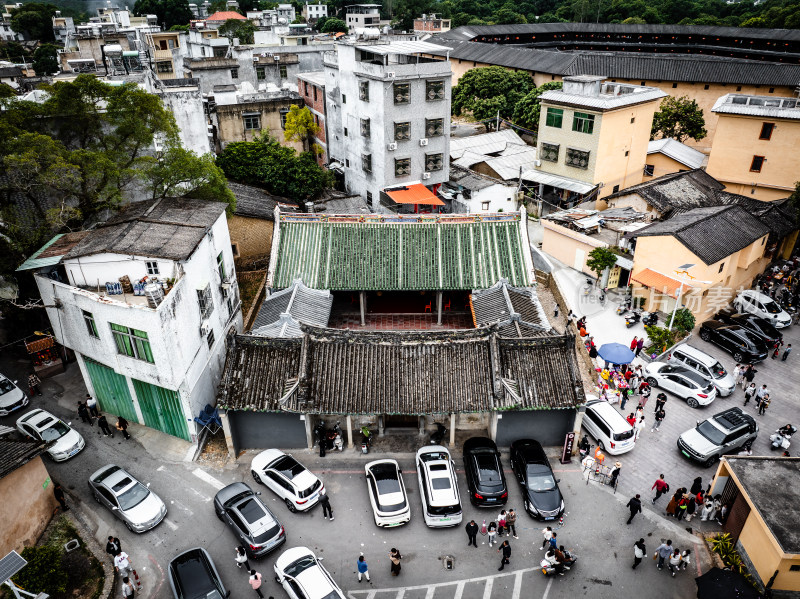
744 345
719 435
542 497
751 322
485 478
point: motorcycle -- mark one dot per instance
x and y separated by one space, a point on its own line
781 439
366 436
438 436
549 569
328 439
631 318
623 308
650 319
585 447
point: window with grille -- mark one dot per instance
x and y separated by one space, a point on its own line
221 266
284 112
261 73
132 343
363 91
220 51
583 122
434 90
205 301
234 73
252 121
577 158
550 152
402 131
756 164
152 268
402 167
555 117
649 169
433 162
282 71
402 94
210 338
88 318
434 127
366 162
164 66
364 127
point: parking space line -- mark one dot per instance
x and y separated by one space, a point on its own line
206 477
517 586
400 594
171 524
429 594
487 591
547 588
458 583
459 591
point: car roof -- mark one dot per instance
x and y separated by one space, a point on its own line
479 443
530 449
194 572
697 354
432 449
231 491
604 409
270 455
111 475
33 416
691 374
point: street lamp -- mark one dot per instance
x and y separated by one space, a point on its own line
683 269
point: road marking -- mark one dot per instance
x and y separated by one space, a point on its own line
547 588
459 583
430 593
459 590
517 586
206 477
487 590
171 524
400 594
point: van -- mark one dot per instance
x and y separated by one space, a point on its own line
436 474
707 365
613 433
760 304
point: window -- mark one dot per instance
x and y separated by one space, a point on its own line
766 131
721 266
555 117
235 249
402 167
164 66
131 343
315 93
706 86
484 205
284 112
401 93
366 163
615 189
402 131
234 73
344 98
210 338
772 90
433 162
643 82
305 86
577 158
152 268
364 127
261 73
347 162
627 152
758 162
738 88
205 301
282 71
363 91
633 120
220 51
583 122
549 152
221 267
369 198
251 121
88 318
345 131
434 90
649 169
674 85
434 127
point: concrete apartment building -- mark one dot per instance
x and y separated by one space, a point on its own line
358 16
388 115
243 117
755 148
314 12
146 301
431 24
311 87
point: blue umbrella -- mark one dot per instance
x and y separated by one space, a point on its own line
616 353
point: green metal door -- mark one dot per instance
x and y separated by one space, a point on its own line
111 390
161 409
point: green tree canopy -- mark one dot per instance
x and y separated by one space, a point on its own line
679 118
527 110
486 91
300 126
600 259
507 16
236 28
405 11
169 12
34 20
332 25
45 60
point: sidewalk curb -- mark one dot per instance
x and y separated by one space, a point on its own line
79 519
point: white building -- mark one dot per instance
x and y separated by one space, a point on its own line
314 12
388 115
146 301
363 15
286 11
473 193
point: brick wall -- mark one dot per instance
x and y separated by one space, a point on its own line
251 236
316 104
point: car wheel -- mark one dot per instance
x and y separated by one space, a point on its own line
600 445
705 335
256 477
711 461
738 357
218 515
292 507
652 382
96 497
277 579
129 527
692 402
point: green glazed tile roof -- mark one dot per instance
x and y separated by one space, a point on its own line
385 252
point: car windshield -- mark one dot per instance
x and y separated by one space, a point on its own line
266 536
299 566
718 371
56 431
771 307
711 432
434 456
289 467
310 490
133 496
6 386
540 480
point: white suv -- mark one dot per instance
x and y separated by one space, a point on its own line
302 576
754 302
436 474
287 478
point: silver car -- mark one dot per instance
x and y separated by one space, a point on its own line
128 499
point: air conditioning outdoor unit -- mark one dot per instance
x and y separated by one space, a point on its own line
426 175
226 286
390 74
205 328
392 146
423 141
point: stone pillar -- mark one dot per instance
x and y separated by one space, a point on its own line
226 429
439 307
349 432
309 431
362 300
421 422
576 428
493 418
381 429
452 429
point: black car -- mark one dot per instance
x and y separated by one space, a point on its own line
485 478
745 346
751 322
193 575
250 520
542 497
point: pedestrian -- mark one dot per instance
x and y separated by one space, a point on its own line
672 506
614 475
697 485
626 394
511 522
505 548
555 311
113 546
685 558
395 557
255 582
661 399
633 343
34 382
122 425
644 393
241 558
363 569
635 506
60 498
683 505
91 404
691 507
749 375
325 502
122 564
738 371
659 417
639 552
83 412
663 552
749 392
102 424
763 405
553 542
547 533
639 346
501 523
708 509
472 533
762 392
631 419
660 486
492 530
127 588
640 426
786 352
675 562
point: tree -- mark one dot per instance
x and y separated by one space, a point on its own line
684 320
45 60
527 110
321 23
334 26
661 338
680 119
635 21
794 202
35 20
169 12
487 91
236 28
601 259
405 11
184 28
300 126
506 16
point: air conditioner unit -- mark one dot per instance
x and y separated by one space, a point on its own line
390 74
276 58
226 286
205 328
392 146
537 163
426 175
423 141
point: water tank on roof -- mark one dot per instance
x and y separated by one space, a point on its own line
113 50
154 293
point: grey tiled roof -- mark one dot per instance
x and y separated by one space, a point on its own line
15 454
300 304
676 191
517 310
257 203
780 221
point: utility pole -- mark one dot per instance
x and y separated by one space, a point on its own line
497 127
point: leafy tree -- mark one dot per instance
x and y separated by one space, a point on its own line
236 28
45 60
684 320
217 6
44 572
634 21
601 259
321 23
405 11
300 126
506 16
334 26
169 12
661 338
35 20
486 91
527 110
184 28
679 118
794 201
6 91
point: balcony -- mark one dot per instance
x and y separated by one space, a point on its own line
209 63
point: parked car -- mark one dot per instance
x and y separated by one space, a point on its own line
287 478
254 526
760 304
436 474
485 478
43 426
688 384
707 365
757 324
613 433
193 575
719 435
387 493
11 397
129 500
302 575
745 346
541 496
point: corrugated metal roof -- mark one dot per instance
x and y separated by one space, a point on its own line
761 106
484 143
52 252
510 166
602 101
403 48
557 181
677 151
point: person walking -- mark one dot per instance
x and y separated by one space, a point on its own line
122 564
639 346
255 582
34 382
640 426
91 405
395 557
685 559
738 371
553 542
749 392
659 417
675 562
639 552
614 475
635 506
786 352
708 509
660 486
511 522
472 533
127 588
691 507
325 502
763 405
672 506
241 558
113 546
83 412
633 343
663 551
661 399
683 505
631 419
762 392
122 425
505 548
644 393
501 523
749 375
697 485
102 424
363 569
60 497
548 534
492 530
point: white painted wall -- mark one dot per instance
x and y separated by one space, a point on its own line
500 198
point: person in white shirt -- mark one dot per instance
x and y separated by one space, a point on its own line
122 563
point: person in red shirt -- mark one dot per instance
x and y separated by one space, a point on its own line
633 343
660 486
631 419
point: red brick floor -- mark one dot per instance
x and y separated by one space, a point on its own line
401 322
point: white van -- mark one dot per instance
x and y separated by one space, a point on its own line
436 474
707 365
754 302
613 433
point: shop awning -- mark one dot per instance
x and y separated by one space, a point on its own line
414 194
660 282
557 181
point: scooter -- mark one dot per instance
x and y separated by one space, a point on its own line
650 319
549 569
438 436
623 308
781 439
328 439
366 435
631 318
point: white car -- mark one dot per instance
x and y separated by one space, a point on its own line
43 426
387 493
754 302
302 576
11 397
287 478
683 382
128 499
436 474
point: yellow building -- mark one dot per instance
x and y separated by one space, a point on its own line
763 520
755 147
666 155
166 49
